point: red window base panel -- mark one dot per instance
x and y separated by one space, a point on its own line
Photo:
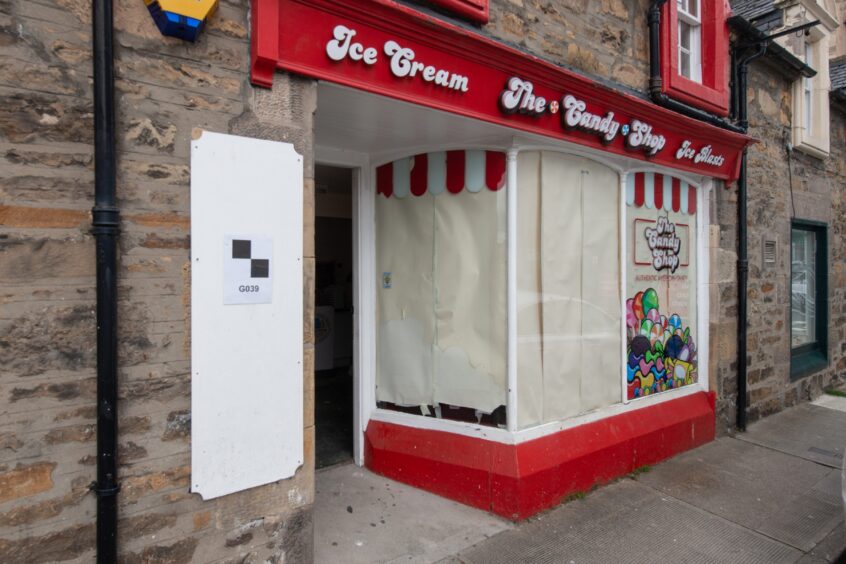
518 481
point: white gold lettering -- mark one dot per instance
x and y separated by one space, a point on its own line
403 64
519 96
576 116
370 55
337 48
641 137
342 46
704 156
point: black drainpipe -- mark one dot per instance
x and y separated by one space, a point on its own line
741 70
739 67
105 228
653 18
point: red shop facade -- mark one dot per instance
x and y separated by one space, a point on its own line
531 255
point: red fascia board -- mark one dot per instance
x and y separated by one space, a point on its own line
474 10
264 41
460 44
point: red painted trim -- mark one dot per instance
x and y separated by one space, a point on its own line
455 171
691 200
658 190
305 26
385 180
517 481
676 202
475 10
713 94
419 174
264 41
494 170
640 189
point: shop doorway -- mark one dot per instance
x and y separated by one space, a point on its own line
333 326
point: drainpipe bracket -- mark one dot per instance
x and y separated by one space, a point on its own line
104 492
105 220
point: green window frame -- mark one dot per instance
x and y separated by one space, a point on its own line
808 287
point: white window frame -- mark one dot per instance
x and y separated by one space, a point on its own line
693 18
811 123
808 90
364 229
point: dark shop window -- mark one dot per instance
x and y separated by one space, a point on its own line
808 298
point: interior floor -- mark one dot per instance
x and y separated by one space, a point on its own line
333 412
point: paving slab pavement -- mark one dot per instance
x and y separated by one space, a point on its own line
361 517
771 495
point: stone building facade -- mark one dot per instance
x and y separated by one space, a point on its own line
817 194
165 89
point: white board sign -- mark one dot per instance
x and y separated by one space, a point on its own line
246 343
247 274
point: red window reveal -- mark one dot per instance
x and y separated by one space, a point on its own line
695 53
475 10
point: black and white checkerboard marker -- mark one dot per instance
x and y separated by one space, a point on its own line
246 272
243 249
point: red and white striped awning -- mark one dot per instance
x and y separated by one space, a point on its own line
658 191
441 171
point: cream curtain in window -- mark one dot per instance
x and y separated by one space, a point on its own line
569 332
441 317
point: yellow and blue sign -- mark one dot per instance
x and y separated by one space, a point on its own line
181 18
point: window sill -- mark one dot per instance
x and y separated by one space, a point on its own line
807 363
812 150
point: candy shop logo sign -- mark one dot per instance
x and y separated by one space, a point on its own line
664 243
402 60
519 97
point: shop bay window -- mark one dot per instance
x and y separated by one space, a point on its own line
441 260
597 324
661 297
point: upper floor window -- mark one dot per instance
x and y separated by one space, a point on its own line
810 97
690 40
695 53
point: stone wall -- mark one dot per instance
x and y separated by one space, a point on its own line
165 88
606 39
819 193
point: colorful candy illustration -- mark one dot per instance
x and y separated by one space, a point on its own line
661 350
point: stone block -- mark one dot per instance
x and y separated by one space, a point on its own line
308 218
26 480
308 300
53 546
308 386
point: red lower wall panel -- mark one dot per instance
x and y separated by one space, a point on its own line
517 481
